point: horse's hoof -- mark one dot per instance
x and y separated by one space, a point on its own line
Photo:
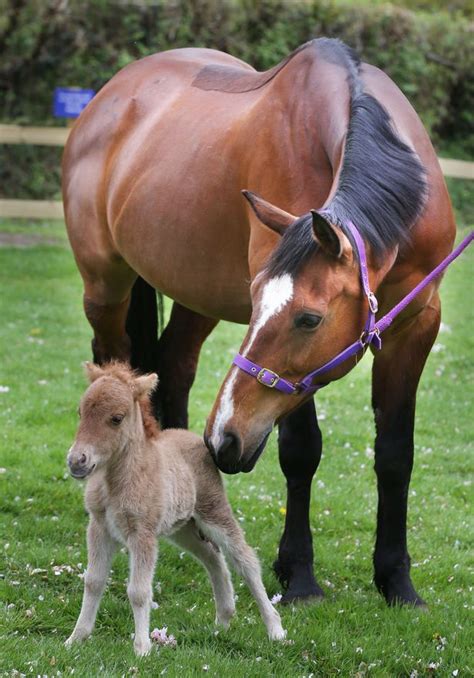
398 590
408 601
299 582
297 598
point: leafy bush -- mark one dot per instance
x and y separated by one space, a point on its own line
47 43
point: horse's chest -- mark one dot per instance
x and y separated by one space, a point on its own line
120 524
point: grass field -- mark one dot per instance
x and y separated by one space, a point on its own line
43 340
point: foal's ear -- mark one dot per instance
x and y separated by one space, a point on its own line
92 371
331 239
273 217
145 385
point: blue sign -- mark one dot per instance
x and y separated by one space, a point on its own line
68 102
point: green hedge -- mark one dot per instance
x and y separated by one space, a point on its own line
46 43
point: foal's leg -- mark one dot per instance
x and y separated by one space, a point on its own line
300 445
189 538
100 549
178 353
143 552
396 372
230 538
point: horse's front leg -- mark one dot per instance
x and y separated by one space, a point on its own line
178 354
300 446
143 554
396 373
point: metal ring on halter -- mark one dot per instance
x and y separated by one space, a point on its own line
373 303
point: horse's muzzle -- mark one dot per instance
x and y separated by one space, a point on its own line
79 463
228 456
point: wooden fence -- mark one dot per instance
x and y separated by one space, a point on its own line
56 136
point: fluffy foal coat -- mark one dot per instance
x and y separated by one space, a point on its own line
145 483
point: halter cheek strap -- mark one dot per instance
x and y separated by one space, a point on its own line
370 335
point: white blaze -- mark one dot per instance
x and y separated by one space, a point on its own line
276 294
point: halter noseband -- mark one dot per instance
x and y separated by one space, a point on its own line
370 335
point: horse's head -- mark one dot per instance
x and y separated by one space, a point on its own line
307 307
113 411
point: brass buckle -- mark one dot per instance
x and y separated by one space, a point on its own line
261 374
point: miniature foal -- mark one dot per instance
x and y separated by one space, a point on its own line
144 483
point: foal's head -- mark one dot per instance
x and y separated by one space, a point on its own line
114 411
308 306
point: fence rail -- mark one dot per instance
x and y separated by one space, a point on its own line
57 136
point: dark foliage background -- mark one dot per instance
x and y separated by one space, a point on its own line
426 47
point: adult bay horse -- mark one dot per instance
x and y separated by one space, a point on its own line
152 180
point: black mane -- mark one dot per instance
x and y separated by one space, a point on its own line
382 185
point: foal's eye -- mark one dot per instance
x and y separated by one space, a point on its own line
117 419
307 321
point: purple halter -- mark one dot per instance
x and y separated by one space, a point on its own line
370 335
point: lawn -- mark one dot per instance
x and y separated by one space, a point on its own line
43 340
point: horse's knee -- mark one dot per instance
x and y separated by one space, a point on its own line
94 585
139 596
393 461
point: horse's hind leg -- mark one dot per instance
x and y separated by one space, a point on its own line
227 534
300 445
178 353
107 289
189 538
396 373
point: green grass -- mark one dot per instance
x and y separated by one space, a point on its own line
44 338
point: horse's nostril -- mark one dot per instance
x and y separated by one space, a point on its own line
83 459
229 440
228 453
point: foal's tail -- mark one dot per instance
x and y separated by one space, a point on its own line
144 324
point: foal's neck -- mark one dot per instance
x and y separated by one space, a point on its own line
131 464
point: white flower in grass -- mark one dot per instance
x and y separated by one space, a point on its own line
276 599
4 389
161 637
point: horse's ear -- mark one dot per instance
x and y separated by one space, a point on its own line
273 217
145 385
92 371
331 239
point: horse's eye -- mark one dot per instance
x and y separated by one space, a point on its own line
117 419
307 321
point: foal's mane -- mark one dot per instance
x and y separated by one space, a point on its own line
382 185
122 372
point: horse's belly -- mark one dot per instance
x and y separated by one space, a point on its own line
193 263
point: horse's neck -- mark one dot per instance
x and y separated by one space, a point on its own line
307 134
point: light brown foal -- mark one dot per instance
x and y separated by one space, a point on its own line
144 483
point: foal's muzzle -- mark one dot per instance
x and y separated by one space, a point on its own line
80 465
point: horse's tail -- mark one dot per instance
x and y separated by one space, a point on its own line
144 324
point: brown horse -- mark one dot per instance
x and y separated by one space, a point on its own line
153 174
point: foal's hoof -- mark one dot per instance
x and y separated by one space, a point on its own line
142 647
300 584
277 633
